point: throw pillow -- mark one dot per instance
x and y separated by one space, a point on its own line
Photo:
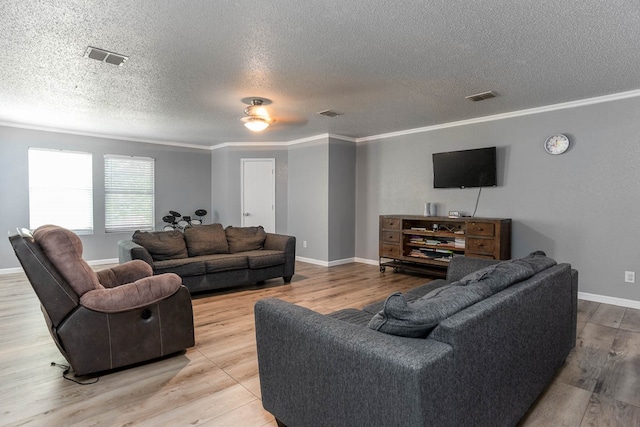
504 274
242 239
162 245
416 319
206 240
538 261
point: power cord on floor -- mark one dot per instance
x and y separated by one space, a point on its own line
67 369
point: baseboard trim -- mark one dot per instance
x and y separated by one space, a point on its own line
12 270
95 262
622 302
326 263
367 261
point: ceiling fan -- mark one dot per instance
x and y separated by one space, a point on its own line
257 117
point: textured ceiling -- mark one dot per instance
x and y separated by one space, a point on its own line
386 65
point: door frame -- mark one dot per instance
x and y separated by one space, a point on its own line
272 160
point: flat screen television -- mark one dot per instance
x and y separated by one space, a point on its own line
466 168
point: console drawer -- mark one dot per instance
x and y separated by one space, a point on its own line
480 246
391 223
480 229
391 237
390 251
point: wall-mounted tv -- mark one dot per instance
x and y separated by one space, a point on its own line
466 168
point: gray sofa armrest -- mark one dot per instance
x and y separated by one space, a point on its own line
319 371
287 244
128 250
510 344
463 265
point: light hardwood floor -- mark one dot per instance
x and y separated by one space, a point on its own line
216 382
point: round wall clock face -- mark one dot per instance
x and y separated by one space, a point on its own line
556 144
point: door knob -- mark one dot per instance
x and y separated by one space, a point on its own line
246 214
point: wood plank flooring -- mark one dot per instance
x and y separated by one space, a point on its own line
216 382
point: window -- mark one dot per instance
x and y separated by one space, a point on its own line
128 193
61 189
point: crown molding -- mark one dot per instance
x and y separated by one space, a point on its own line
104 136
512 114
286 143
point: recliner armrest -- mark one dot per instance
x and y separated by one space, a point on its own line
124 273
140 293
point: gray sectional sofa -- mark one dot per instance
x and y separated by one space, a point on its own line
475 349
209 257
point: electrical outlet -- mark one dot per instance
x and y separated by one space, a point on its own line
304 244
630 276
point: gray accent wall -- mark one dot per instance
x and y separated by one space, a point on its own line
182 183
227 187
579 207
308 198
342 200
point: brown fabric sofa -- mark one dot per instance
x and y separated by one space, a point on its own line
107 319
209 257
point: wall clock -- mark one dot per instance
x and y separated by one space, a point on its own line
556 144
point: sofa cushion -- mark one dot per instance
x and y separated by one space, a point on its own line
264 258
504 274
225 262
243 239
206 240
162 245
416 319
183 267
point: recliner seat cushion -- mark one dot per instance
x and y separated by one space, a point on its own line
162 245
242 239
416 319
64 249
206 240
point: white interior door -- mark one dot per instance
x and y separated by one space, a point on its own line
258 203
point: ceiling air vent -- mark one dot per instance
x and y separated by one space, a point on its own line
105 56
329 113
481 96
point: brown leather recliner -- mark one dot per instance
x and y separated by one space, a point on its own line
106 319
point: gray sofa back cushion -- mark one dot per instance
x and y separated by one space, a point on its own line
206 240
242 239
416 319
162 245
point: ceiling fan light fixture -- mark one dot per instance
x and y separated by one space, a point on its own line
255 124
257 118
